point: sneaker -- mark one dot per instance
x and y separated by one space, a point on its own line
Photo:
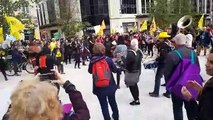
135 102
163 84
166 95
152 94
6 79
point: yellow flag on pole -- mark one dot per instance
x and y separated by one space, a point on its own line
1 34
16 34
101 31
144 26
200 22
113 31
153 26
14 23
135 28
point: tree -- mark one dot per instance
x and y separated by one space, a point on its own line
8 7
68 20
167 12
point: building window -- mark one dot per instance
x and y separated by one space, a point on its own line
128 6
44 13
51 11
146 6
208 4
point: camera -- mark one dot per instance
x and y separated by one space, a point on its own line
47 76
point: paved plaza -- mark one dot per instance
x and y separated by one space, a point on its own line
150 108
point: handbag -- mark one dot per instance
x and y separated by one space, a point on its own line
131 78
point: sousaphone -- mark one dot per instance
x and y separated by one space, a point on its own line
184 22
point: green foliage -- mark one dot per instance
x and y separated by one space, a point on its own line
70 29
167 12
9 7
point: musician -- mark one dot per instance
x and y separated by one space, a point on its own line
163 49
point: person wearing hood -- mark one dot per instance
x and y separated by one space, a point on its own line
105 94
133 70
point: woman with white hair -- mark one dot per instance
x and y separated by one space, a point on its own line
133 70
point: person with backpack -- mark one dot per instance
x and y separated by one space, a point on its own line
104 86
163 50
133 70
173 61
45 62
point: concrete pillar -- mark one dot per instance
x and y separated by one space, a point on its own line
205 6
198 5
139 8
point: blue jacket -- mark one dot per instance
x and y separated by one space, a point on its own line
109 90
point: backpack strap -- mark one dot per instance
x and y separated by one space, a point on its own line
178 53
133 52
192 57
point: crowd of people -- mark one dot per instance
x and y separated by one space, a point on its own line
119 53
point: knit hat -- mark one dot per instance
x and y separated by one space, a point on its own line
134 44
189 38
180 39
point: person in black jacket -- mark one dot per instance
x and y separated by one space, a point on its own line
133 70
163 50
3 64
34 100
205 98
172 61
50 61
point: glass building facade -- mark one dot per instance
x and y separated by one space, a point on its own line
94 11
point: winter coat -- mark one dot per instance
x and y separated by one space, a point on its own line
81 111
172 60
133 60
163 49
205 109
109 90
16 55
50 62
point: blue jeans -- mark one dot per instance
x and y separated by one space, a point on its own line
104 106
191 108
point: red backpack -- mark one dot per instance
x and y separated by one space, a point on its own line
101 73
42 61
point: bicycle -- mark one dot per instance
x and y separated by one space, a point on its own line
25 64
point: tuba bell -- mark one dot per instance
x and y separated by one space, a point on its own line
184 22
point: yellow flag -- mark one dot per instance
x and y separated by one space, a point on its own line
103 26
101 31
36 35
16 34
14 23
200 22
144 26
153 26
135 28
113 31
1 34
